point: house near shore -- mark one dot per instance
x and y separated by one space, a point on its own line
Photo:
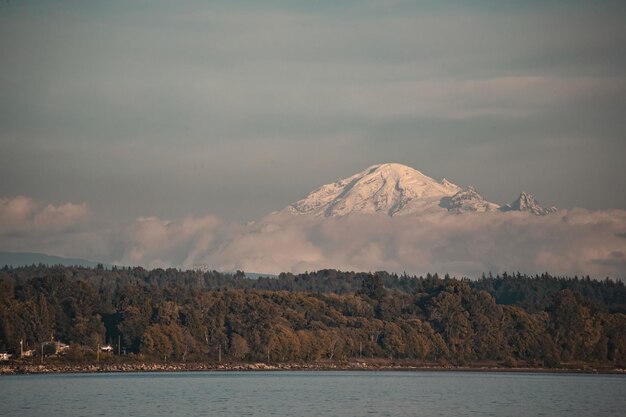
29 353
56 347
61 347
26 353
106 348
4 356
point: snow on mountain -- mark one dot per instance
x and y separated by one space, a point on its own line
391 189
467 199
398 190
526 202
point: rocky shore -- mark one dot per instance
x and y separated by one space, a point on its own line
16 369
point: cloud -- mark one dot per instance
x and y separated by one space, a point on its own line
575 242
28 225
62 215
15 210
155 243
569 242
22 214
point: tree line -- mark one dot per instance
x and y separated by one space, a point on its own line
176 315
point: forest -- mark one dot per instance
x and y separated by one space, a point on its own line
327 315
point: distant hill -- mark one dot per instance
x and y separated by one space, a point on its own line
17 259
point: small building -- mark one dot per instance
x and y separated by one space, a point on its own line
106 348
55 347
4 356
61 347
28 353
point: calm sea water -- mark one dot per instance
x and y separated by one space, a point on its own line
313 394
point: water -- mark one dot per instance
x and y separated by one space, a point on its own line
313 394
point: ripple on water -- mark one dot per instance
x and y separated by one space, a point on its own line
306 394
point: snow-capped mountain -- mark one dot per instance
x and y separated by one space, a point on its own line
398 190
526 202
391 189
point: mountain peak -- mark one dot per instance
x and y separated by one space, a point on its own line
446 183
526 202
391 168
467 199
390 188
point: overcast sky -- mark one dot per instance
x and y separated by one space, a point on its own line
237 108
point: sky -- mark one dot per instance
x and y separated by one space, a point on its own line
116 111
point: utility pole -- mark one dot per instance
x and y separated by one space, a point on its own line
119 346
42 352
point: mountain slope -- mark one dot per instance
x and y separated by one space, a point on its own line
466 200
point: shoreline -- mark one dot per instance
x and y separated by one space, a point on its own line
111 368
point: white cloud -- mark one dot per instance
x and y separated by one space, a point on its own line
155 242
569 242
60 216
28 225
15 210
23 214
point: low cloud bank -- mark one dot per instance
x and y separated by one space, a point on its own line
569 242
572 242
28 225
188 242
21 214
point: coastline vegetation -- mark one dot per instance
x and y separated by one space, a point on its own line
327 317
